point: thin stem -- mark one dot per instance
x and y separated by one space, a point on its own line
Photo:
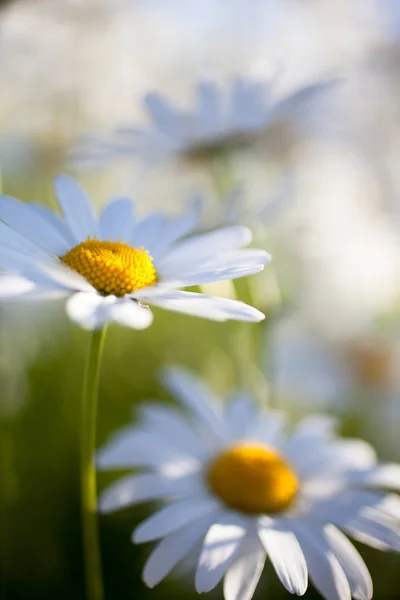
91 548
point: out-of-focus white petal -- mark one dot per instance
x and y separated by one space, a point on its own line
172 549
243 575
173 517
77 208
201 305
220 546
30 224
117 220
13 285
351 562
193 394
206 246
287 558
133 489
325 571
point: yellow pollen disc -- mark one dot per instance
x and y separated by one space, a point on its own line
112 267
252 479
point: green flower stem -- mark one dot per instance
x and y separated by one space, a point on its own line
91 548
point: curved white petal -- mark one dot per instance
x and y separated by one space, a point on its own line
30 224
385 476
201 305
240 414
205 246
286 555
269 428
13 285
243 575
148 231
351 562
89 309
11 239
59 273
77 208
117 220
132 447
174 229
330 460
171 427
220 546
191 392
172 549
173 517
129 313
325 571
133 489
55 220
208 275
373 532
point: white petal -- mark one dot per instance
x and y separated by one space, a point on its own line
386 476
170 426
242 577
166 119
209 275
129 313
240 414
325 571
172 549
133 489
12 239
209 105
220 545
16 261
32 225
375 533
90 310
174 229
351 562
148 231
329 461
269 428
132 447
201 305
191 392
55 220
117 220
287 558
228 265
173 517
66 277
208 245
13 285
77 208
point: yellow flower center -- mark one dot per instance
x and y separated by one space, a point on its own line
112 267
252 479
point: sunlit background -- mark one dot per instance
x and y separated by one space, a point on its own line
320 190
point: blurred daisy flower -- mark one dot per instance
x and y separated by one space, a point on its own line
240 488
214 125
112 267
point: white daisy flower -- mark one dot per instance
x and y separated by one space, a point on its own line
239 488
214 125
112 267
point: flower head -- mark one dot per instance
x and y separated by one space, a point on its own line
215 125
239 488
112 267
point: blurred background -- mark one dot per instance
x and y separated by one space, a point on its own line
322 195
